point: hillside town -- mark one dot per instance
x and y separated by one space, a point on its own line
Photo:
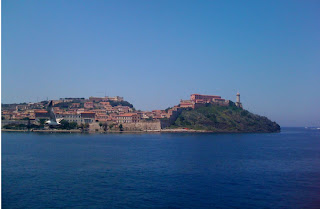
110 112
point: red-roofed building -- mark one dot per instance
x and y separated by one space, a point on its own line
187 104
75 105
102 117
99 111
80 110
70 117
88 114
105 103
88 117
88 105
198 98
128 118
41 114
124 109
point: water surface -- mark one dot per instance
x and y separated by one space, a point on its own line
279 170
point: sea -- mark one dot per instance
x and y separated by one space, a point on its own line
161 170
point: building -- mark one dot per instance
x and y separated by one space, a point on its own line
71 99
187 104
41 114
109 109
124 109
54 102
83 117
104 104
116 99
198 98
75 105
220 102
128 118
99 111
88 117
88 105
21 107
80 110
106 99
35 105
70 117
98 99
102 117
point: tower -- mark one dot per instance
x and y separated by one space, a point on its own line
238 97
238 103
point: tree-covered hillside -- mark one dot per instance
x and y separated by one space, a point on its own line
224 119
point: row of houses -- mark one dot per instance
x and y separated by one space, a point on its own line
76 103
89 117
107 106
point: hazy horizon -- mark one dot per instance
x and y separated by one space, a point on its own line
154 53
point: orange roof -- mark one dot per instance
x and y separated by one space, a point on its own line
101 114
207 95
127 115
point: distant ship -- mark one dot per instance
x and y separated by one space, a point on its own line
312 128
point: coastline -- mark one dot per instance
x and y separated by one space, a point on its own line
79 131
178 130
46 131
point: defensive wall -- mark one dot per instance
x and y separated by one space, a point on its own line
142 126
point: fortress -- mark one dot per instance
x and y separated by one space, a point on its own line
199 100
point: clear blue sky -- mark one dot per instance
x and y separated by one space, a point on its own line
155 53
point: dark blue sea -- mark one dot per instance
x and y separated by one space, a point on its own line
277 170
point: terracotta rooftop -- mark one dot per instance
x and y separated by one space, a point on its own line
127 115
207 95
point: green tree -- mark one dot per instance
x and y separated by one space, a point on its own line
42 122
73 125
105 126
64 124
120 127
123 103
81 126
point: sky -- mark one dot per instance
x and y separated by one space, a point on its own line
154 53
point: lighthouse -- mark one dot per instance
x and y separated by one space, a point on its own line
238 103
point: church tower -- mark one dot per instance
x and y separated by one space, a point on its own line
238 103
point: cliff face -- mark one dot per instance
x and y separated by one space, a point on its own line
224 119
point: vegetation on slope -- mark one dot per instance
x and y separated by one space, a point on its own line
123 103
66 105
224 119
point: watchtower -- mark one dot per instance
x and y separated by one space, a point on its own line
238 103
